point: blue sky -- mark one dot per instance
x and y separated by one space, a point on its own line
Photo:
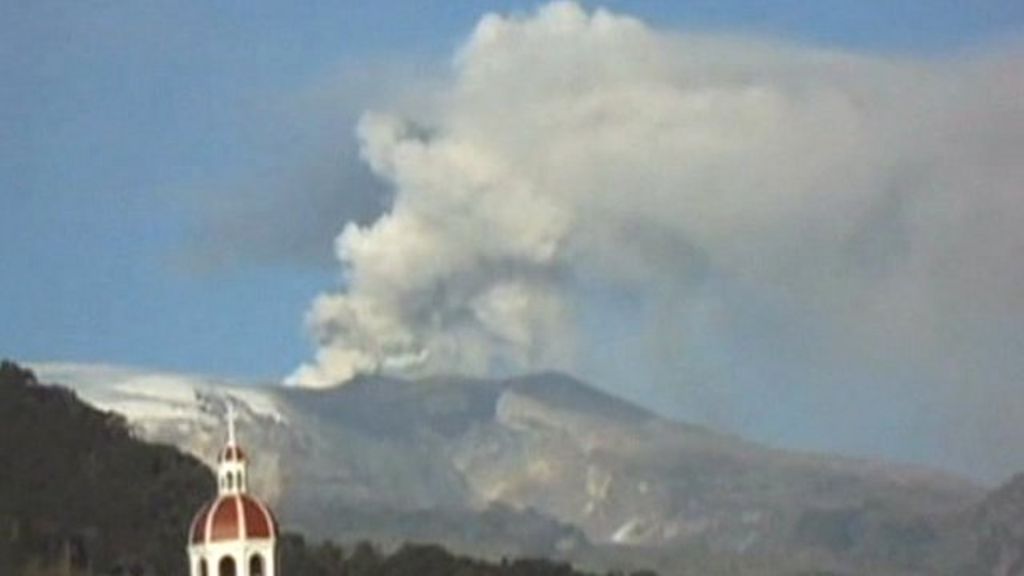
124 126
172 174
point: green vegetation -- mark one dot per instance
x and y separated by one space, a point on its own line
328 559
81 496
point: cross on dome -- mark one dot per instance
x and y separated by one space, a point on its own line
231 424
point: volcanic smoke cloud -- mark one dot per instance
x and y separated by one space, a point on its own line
878 197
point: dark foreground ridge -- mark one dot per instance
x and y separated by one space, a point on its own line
81 496
328 559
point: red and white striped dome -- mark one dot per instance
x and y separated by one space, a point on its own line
232 517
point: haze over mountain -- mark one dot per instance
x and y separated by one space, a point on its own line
539 464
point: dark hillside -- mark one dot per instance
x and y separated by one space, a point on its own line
328 559
79 494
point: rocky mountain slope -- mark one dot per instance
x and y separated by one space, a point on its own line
538 464
995 530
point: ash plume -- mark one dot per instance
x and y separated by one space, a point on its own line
874 197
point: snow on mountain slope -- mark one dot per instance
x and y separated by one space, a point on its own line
185 410
395 454
152 396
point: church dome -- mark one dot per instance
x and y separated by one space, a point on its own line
232 517
234 534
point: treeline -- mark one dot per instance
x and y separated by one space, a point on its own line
81 496
328 559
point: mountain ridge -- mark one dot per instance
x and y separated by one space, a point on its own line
80 496
451 458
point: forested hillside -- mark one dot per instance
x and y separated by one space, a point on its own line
328 559
79 494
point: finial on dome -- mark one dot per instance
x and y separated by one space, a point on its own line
231 465
231 424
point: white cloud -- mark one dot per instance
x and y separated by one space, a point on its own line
877 196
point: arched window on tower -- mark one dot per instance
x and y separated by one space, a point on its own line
256 565
203 570
226 567
230 481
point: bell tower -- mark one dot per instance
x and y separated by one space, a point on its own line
235 534
232 467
